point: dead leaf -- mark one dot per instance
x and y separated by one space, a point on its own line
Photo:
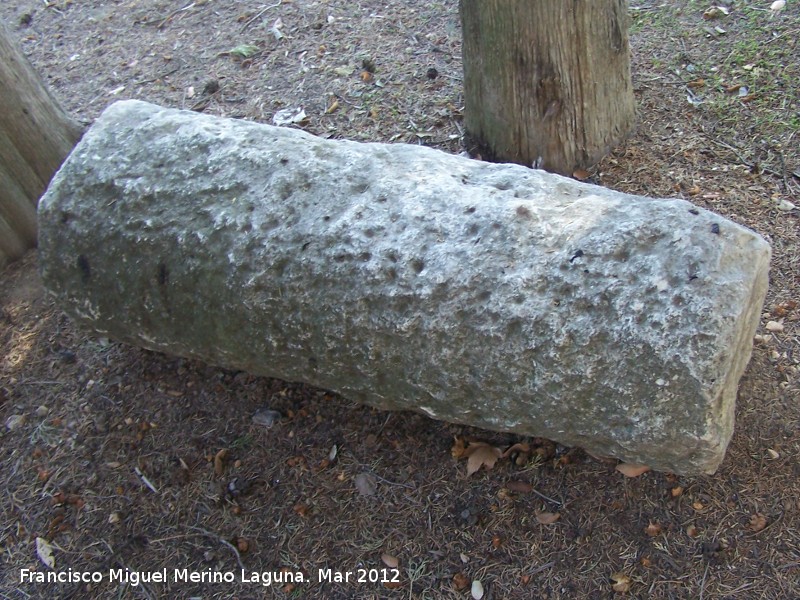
289 116
497 541
581 174
520 487
652 529
758 522
676 491
477 589
460 582
242 544
697 83
343 71
45 552
301 509
334 105
389 560
692 531
219 462
276 29
519 447
622 583
547 518
459 448
484 455
392 585
632 469
366 484
244 51
715 12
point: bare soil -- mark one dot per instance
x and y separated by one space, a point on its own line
119 458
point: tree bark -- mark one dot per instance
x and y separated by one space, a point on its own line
35 137
547 83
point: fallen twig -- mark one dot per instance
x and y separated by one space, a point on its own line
703 583
543 497
222 541
260 13
166 19
145 480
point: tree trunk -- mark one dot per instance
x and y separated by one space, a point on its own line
547 83
35 137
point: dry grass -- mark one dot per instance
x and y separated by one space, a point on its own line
118 462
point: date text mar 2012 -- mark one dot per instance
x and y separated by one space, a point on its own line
361 575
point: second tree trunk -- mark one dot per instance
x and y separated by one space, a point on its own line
547 83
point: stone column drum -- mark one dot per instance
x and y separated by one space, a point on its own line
407 278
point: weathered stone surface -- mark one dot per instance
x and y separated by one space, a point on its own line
403 277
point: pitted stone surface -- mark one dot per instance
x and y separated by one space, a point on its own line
407 278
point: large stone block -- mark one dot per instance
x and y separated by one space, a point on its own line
407 278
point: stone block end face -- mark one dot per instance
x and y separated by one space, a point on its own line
406 278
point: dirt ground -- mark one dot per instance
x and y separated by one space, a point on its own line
119 460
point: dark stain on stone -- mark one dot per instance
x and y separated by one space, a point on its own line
470 210
163 274
65 217
715 228
84 268
578 254
418 265
285 191
360 187
522 211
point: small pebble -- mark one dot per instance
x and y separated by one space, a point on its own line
42 411
266 417
774 326
15 421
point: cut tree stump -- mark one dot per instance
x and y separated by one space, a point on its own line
547 83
